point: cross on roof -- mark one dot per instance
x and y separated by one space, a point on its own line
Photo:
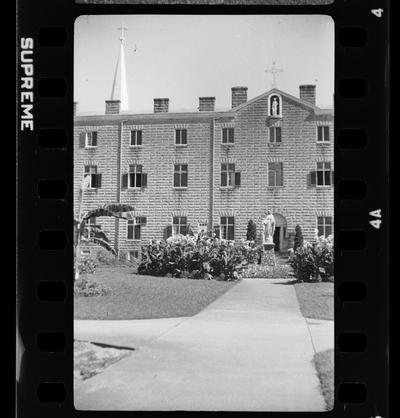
122 28
274 71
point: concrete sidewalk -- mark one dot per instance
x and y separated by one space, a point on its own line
250 350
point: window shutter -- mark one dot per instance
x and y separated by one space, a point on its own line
232 135
139 138
313 178
124 181
144 179
167 232
82 140
278 135
184 136
98 181
326 133
332 180
319 133
224 135
237 179
94 139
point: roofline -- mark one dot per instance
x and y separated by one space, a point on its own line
155 116
301 102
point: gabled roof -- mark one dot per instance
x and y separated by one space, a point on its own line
300 102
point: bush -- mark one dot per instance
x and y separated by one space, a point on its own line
87 265
313 261
85 287
196 257
251 231
105 257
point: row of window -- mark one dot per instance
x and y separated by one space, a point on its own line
228 136
230 178
225 230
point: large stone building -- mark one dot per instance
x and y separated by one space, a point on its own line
214 170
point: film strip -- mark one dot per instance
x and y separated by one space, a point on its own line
45 294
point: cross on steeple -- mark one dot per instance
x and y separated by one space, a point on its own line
122 28
274 71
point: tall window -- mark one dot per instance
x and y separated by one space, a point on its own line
322 133
325 225
179 225
135 175
180 137
275 174
228 135
134 228
324 174
136 138
229 177
91 139
94 177
180 175
227 227
275 134
91 223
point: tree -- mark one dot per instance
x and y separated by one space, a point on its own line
92 233
251 231
298 238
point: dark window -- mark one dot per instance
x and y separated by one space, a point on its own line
91 139
180 137
325 225
227 227
94 177
136 138
229 178
324 174
179 225
322 133
134 228
228 135
180 175
275 134
275 174
135 176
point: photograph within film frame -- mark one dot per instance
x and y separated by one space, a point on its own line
51 365
205 156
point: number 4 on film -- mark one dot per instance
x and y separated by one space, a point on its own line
376 223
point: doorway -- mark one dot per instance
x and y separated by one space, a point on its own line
277 238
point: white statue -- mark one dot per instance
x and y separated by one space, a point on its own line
274 107
268 228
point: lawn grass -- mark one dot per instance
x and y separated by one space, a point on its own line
145 297
324 363
315 299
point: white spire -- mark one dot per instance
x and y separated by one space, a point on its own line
119 89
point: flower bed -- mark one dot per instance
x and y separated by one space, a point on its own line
259 271
197 257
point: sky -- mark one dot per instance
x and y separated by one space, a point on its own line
184 57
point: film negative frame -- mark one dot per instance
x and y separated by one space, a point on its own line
44 197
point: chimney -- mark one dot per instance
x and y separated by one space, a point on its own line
161 105
206 104
307 93
75 108
239 96
112 107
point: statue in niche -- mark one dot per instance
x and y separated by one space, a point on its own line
274 106
268 228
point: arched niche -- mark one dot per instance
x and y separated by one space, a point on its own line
275 105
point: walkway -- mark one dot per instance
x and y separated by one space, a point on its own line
250 350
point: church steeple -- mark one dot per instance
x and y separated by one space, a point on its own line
119 90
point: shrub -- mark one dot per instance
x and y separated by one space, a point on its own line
85 287
87 265
251 234
105 257
196 257
298 238
313 261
